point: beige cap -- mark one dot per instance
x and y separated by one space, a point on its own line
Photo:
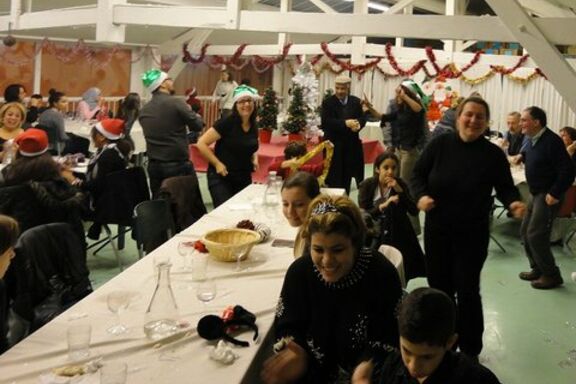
343 80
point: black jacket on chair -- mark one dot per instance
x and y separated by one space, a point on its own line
48 274
183 193
122 191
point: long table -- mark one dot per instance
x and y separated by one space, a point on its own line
268 153
256 287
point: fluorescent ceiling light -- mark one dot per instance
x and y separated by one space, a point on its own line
373 5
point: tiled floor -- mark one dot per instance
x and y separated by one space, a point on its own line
530 335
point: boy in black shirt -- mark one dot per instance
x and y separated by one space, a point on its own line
426 322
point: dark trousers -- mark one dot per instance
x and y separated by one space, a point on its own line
454 261
222 188
159 170
535 234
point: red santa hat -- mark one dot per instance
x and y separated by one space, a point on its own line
32 142
112 129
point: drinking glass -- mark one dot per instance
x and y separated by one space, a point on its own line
238 253
206 291
79 336
117 301
185 250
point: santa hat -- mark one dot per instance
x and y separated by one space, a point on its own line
244 90
112 129
414 88
153 78
32 142
189 92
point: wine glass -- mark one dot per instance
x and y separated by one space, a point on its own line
185 250
238 252
117 301
206 291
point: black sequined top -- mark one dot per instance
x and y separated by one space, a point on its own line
337 323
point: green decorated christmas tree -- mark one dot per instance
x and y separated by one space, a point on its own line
268 111
296 121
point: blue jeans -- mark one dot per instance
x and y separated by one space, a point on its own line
158 171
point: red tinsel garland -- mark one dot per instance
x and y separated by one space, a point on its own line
394 64
188 57
360 68
447 70
507 71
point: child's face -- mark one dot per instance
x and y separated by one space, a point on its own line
421 360
386 170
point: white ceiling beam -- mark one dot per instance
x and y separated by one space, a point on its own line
358 42
399 7
106 30
435 6
485 28
399 41
546 8
15 11
549 59
323 6
53 18
187 17
284 38
191 3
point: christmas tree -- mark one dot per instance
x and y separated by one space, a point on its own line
306 80
296 121
268 112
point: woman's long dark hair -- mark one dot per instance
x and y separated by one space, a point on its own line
129 107
37 168
54 97
9 232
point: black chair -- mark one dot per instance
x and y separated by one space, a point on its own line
48 274
154 225
76 144
123 190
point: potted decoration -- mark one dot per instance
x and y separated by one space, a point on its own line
296 121
268 115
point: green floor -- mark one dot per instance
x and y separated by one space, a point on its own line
530 335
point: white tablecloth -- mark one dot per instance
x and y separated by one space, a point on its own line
83 129
256 287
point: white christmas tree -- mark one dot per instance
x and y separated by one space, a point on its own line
307 80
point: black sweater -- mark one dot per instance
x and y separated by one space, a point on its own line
337 323
549 168
460 177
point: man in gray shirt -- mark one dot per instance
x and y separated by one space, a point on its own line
164 120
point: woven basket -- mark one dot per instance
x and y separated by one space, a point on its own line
222 243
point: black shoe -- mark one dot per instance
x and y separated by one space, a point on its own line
558 243
94 231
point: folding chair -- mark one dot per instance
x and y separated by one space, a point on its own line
153 225
395 257
123 190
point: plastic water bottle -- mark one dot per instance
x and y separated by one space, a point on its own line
272 193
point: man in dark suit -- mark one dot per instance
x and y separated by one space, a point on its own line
342 119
